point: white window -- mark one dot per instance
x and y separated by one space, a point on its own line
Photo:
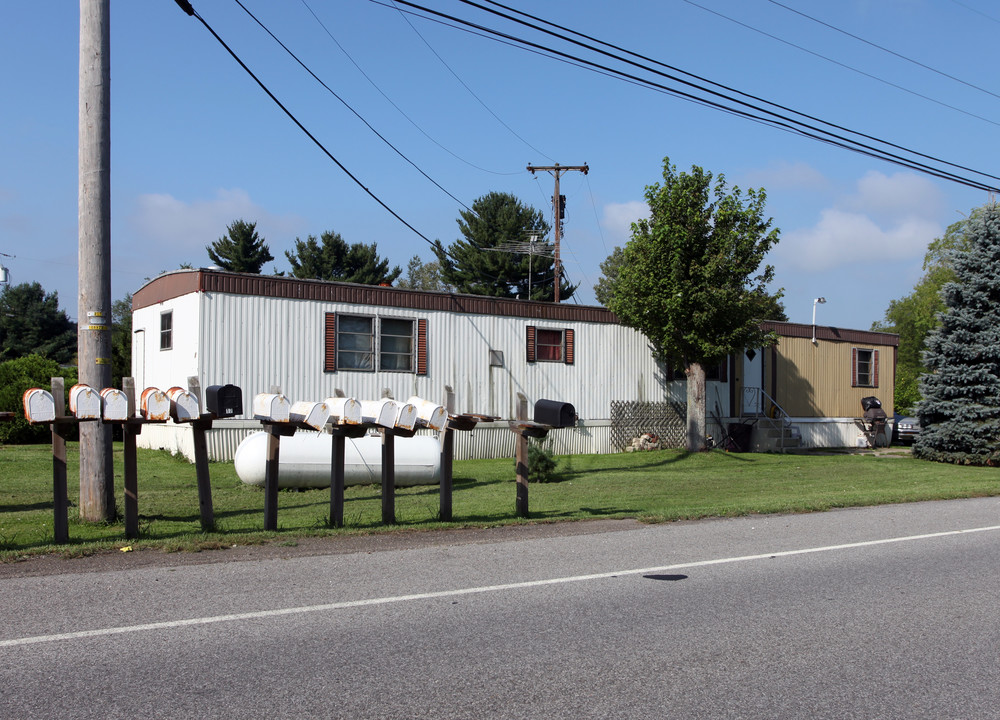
167 330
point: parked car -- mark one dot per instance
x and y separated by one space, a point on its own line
905 429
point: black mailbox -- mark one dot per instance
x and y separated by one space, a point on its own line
224 401
555 413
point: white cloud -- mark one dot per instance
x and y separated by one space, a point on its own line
618 219
886 218
788 176
170 231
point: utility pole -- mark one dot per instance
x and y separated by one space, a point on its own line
97 489
558 205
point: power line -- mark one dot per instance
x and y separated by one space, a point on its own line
841 64
348 106
744 108
464 84
185 5
883 49
397 107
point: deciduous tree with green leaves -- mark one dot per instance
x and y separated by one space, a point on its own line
331 258
241 249
483 263
691 279
960 409
423 276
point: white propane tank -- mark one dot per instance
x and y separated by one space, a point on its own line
304 460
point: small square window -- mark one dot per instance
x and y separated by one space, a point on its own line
167 330
549 345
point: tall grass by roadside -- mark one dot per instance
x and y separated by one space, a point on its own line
653 486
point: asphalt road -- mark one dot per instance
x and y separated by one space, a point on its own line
888 612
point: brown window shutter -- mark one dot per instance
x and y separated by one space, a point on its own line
422 347
531 343
569 346
330 343
854 367
724 370
874 368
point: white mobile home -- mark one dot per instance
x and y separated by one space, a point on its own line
312 338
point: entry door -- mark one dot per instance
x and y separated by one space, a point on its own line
753 381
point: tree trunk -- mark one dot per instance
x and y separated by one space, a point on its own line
695 407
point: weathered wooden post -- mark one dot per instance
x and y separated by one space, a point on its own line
130 429
521 459
337 478
447 458
199 428
60 496
388 476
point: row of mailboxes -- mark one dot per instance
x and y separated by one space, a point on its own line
112 405
274 407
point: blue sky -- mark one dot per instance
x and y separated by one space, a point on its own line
196 144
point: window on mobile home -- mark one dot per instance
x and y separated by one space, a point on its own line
864 367
167 330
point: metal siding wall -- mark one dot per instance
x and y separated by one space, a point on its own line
283 345
815 380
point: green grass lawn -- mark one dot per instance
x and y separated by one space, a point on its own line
653 486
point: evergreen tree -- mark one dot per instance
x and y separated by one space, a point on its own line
960 409
241 249
331 258
477 264
32 323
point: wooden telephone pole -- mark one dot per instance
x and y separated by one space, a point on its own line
97 489
557 204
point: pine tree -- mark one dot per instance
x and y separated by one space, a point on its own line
241 249
331 258
960 410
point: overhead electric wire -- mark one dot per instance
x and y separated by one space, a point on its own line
348 106
854 145
883 49
980 12
465 85
390 101
185 5
868 75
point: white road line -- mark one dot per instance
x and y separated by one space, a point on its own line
262 614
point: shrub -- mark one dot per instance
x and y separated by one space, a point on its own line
542 463
19 375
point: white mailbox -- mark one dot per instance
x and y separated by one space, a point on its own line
154 405
406 418
344 411
115 405
183 405
271 406
85 402
429 414
380 412
315 415
39 406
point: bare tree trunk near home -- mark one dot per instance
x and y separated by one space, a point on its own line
695 406
97 490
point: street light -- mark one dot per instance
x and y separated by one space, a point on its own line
817 301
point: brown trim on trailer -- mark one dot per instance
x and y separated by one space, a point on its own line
823 332
181 282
